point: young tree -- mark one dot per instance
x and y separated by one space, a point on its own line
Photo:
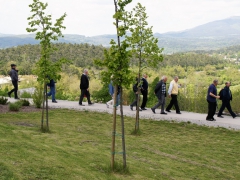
143 45
117 60
41 24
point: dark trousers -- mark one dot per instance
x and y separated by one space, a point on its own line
144 101
161 102
134 103
174 102
15 89
211 109
87 94
228 106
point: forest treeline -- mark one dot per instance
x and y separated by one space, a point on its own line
83 55
229 52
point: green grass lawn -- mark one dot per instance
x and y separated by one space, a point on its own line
79 147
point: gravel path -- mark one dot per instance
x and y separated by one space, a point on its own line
196 118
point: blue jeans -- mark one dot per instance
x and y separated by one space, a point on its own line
118 99
52 92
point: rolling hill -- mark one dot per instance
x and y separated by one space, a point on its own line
209 36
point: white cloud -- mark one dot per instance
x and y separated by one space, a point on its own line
94 17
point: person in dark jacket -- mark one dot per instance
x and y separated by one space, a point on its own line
144 91
135 91
84 86
161 93
52 90
226 98
211 99
14 76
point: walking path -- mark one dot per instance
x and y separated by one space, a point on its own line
196 118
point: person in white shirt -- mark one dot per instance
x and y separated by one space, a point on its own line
172 93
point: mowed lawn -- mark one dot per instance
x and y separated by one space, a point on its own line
79 147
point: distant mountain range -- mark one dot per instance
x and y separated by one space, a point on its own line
209 36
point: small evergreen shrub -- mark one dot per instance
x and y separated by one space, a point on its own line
102 95
152 99
14 106
3 100
19 103
26 95
38 96
4 91
24 102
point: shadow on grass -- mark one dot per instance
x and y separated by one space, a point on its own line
136 132
45 129
118 169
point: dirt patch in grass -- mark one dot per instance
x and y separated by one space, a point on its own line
5 109
24 124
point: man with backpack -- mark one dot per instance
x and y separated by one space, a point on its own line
135 90
226 96
161 93
144 91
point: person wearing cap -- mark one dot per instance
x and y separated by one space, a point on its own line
14 76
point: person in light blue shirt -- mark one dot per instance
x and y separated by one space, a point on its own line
111 92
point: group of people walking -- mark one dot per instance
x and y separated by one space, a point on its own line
143 91
160 91
161 94
225 95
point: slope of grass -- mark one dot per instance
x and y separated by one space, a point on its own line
79 147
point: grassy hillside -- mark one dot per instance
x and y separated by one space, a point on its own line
78 147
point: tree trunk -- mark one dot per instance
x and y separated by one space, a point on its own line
138 99
123 133
46 106
114 125
115 104
43 108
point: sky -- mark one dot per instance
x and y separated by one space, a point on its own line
94 17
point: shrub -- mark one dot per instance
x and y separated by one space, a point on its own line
3 100
15 106
152 99
26 95
38 96
102 95
4 91
24 102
